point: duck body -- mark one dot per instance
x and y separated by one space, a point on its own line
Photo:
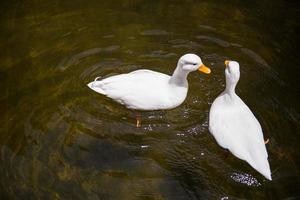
149 90
235 127
142 90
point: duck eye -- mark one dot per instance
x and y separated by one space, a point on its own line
190 63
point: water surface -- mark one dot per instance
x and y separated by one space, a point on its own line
60 140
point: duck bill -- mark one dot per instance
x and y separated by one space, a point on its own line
204 69
226 62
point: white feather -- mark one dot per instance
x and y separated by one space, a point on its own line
235 128
149 90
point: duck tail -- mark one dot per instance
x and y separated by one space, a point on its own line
262 165
96 85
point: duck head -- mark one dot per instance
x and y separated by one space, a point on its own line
186 64
192 62
232 73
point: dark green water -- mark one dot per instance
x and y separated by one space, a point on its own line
60 140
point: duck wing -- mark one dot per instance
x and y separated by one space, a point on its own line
235 128
140 89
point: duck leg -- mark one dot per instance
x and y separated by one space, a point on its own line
267 141
138 119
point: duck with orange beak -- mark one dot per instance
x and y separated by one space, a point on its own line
150 90
235 127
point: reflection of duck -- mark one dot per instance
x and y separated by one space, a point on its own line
150 90
235 127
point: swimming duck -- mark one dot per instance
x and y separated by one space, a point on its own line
150 90
235 127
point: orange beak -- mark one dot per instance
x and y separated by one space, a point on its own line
226 62
204 69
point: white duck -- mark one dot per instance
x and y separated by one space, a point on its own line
149 90
234 126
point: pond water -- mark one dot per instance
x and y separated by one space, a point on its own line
61 140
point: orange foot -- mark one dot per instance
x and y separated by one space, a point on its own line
267 141
138 123
138 120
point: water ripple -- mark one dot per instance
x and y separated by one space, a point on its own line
218 41
255 57
75 59
154 32
159 54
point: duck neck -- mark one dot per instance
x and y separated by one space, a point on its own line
179 77
230 87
